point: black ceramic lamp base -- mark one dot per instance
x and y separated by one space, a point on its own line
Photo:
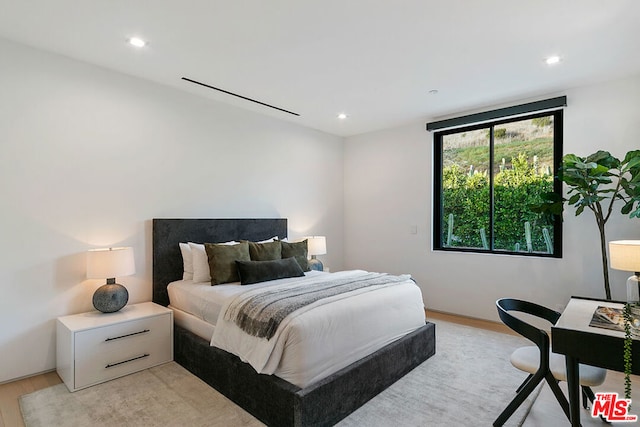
110 298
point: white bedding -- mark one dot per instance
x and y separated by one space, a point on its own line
316 341
205 301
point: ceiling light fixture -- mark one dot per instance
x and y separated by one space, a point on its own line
433 92
342 116
137 42
552 60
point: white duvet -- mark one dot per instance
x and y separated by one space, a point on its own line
328 335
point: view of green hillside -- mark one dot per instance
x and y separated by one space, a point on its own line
479 155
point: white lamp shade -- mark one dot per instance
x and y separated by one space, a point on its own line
316 245
110 263
625 255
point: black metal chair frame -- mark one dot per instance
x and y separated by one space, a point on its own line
541 339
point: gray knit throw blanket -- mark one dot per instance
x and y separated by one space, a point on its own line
261 314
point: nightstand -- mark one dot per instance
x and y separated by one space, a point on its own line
96 347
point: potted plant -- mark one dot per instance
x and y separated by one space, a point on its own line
596 183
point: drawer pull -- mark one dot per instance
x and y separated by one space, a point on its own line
111 365
128 335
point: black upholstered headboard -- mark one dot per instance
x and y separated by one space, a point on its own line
167 233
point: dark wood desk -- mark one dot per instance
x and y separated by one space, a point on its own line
581 343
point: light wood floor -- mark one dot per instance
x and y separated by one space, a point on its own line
468 321
10 415
545 412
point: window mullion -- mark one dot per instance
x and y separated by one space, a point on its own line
491 196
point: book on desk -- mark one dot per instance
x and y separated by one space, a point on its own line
608 318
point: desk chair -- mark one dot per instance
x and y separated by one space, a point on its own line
538 360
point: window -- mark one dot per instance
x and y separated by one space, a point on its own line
486 176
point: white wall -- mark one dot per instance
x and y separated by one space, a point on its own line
388 189
88 157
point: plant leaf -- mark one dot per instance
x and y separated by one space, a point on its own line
633 154
581 165
574 199
632 163
604 158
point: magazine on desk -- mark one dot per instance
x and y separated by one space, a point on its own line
608 318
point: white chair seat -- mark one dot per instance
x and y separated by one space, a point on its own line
527 359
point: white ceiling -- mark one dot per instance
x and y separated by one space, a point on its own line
375 60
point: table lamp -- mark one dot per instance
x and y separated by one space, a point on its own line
110 263
625 255
316 245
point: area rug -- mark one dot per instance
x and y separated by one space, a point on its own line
468 382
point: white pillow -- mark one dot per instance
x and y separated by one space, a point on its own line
201 272
187 261
273 239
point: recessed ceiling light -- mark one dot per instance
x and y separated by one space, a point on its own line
552 60
342 116
137 42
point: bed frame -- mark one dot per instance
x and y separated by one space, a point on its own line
273 400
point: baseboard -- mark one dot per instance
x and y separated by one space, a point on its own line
24 377
469 321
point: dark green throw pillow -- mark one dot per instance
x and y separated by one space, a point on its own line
267 251
222 261
261 271
297 250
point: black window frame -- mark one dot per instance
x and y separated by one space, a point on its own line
438 220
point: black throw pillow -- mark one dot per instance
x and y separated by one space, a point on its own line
261 271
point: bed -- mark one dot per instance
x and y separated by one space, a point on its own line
317 400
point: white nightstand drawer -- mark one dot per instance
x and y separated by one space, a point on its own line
122 337
102 367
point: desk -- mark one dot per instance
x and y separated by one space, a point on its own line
581 343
